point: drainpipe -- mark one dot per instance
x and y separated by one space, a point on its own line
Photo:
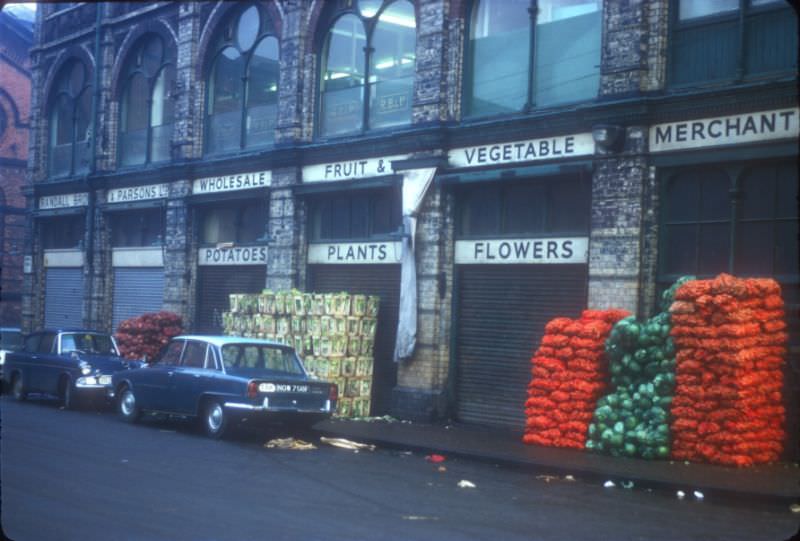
93 157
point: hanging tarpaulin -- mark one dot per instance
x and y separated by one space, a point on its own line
415 185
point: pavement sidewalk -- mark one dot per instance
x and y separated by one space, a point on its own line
772 484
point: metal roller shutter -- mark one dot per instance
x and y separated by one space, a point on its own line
502 311
380 280
137 291
63 305
214 284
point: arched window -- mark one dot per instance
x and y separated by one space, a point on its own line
147 110
242 106
368 57
69 121
526 54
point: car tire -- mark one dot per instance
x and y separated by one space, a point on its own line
18 390
66 394
215 421
127 406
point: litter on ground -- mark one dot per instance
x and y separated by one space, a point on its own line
466 484
436 459
347 444
289 443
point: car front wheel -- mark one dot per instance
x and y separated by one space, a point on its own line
128 407
215 420
66 394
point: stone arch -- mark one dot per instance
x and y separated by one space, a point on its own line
69 53
159 27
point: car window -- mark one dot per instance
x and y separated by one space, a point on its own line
46 344
194 355
32 343
96 344
10 340
172 353
260 357
211 359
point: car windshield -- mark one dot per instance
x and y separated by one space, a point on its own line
10 340
96 344
254 359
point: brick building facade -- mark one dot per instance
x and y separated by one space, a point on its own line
281 144
16 37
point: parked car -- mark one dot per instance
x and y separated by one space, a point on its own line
10 340
73 365
223 380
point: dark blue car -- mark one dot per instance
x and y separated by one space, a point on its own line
222 380
74 365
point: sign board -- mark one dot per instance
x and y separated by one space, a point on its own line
355 253
537 250
138 193
531 150
726 130
63 201
229 183
350 169
235 255
63 258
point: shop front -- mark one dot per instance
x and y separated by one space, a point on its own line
521 259
136 216
62 223
353 245
728 192
230 216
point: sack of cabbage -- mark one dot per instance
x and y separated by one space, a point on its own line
634 419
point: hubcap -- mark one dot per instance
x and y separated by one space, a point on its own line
128 403
215 417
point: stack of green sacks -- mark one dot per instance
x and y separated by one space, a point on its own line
334 333
633 420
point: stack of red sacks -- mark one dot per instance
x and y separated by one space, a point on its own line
730 337
145 335
569 375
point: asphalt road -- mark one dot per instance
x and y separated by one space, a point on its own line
87 476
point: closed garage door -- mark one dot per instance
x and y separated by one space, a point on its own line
502 311
380 280
137 291
63 305
214 286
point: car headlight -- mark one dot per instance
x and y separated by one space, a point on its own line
86 368
2 357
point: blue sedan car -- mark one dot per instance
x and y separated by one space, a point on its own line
222 380
67 363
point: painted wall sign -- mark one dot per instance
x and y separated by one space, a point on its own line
561 250
726 130
237 255
229 183
138 193
350 169
550 148
137 257
63 201
355 253
63 258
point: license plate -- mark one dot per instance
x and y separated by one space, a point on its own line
291 388
105 380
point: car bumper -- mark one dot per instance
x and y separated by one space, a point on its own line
245 408
95 386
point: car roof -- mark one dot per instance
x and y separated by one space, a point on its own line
68 329
10 329
221 340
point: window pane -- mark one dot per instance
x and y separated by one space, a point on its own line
715 199
77 78
194 355
569 207
525 209
225 102
679 253
61 136
173 353
771 40
253 222
567 51
247 30
219 225
262 93
714 249
499 45
385 213
758 194
754 248
787 201
786 248
480 212
133 136
690 9
340 219
392 69
83 117
152 55
343 78
63 232
141 228
359 216
683 199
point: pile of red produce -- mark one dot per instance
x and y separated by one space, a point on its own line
569 375
145 335
730 337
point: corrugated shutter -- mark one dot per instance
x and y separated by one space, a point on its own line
214 284
380 280
137 291
502 311
63 304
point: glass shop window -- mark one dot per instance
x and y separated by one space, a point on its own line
359 216
64 232
238 223
139 228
